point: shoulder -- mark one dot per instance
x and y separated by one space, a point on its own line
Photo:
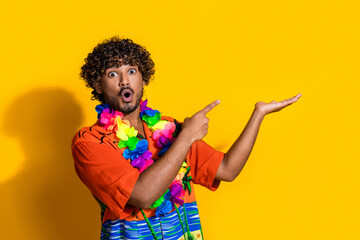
95 145
90 134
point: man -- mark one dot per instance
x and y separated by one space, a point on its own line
141 166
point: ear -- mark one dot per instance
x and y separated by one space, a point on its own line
144 84
98 88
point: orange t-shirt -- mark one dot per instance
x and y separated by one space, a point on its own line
100 165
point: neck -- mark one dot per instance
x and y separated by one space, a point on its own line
134 119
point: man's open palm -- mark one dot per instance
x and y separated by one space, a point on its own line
266 108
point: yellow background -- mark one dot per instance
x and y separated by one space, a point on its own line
302 178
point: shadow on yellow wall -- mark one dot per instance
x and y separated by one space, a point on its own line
46 200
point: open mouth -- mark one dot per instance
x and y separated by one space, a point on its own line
126 95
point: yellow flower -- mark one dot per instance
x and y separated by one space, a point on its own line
179 176
131 132
182 170
122 128
122 135
159 125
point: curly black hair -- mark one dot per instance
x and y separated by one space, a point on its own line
112 52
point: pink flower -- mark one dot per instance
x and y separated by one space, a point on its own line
148 163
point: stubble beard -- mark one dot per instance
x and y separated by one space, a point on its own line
128 107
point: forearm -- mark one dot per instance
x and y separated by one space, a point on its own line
236 157
154 181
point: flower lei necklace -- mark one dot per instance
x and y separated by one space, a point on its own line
141 158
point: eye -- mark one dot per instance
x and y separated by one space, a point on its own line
112 74
132 71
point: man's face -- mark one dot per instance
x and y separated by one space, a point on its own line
122 88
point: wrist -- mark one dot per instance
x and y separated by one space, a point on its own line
259 113
186 137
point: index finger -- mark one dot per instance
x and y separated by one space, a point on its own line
207 109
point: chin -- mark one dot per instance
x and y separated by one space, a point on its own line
130 107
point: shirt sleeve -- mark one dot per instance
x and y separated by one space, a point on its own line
107 174
204 163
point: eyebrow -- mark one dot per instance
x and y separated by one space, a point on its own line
114 67
110 69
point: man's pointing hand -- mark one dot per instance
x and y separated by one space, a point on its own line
196 127
208 108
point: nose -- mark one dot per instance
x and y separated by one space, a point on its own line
124 80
